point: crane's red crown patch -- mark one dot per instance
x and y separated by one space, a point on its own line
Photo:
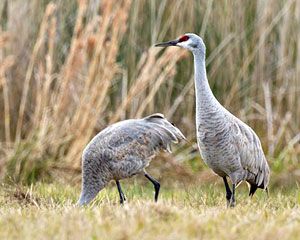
183 38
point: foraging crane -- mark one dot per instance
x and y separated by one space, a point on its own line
227 145
122 150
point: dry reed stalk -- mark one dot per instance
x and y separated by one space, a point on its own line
281 130
68 68
98 57
4 66
156 19
169 88
4 38
297 74
206 18
282 50
147 74
218 50
150 69
41 36
234 90
124 90
269 117
167 73
44 93
167 24
289 149
265 32
82 113
100 76
180 98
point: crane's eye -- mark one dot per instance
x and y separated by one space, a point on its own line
183 38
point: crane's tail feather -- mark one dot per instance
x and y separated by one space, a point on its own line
155 115
164 132
160 120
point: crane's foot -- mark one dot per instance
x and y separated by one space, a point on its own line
231 203
156 188
228 196
267 192
228 191
122 199
228 203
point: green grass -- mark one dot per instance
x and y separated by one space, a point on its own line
47 211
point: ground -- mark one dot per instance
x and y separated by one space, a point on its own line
48 211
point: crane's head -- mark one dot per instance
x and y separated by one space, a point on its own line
189 41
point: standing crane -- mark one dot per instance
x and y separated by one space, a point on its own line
122 150
227 145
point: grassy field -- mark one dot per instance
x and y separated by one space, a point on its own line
70 68
48 211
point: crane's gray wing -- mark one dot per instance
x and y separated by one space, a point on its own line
140 138
248 146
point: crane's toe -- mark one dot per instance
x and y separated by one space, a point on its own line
232 198
228 202
231 203
122 199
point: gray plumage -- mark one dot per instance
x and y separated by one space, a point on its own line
227 145
122 150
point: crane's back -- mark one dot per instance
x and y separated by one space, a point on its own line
137 136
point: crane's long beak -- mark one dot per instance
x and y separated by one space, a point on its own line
167 44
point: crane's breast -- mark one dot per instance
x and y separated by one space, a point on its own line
215 147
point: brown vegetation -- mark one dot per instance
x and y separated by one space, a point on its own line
67 69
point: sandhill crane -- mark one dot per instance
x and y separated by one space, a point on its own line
122 150
227 145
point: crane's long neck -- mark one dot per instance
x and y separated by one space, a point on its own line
205 100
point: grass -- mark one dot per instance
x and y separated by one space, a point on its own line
47 211
70 68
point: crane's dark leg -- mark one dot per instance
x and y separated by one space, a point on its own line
253 188
228 191
232 199
156 185
122 196
267 191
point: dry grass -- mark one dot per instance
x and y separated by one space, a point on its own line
69 69
47 212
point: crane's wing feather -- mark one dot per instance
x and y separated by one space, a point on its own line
164 126
137 137
159 133
251 154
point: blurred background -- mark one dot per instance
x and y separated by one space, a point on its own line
70 68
